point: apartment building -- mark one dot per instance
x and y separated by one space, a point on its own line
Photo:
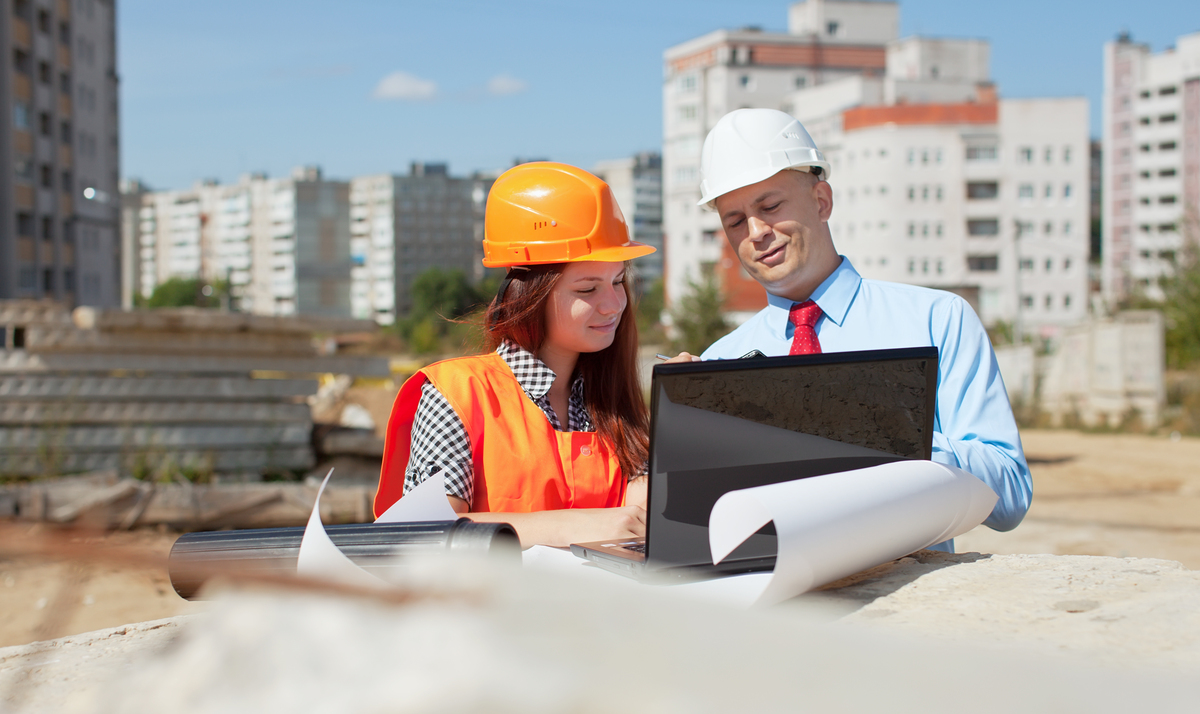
636 183
711 75
401 226
59 136
1151 162
283 244
937 181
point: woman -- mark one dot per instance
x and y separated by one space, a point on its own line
546 431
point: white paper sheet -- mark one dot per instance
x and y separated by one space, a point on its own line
426 502
320 558
839 524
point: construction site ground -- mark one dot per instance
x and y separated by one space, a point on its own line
1118 495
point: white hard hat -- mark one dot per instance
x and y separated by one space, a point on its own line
751 145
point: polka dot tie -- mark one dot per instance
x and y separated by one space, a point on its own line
804 316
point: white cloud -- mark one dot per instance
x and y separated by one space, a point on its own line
504 84
402 85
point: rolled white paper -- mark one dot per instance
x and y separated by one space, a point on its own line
835 525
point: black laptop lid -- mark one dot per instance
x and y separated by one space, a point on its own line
724 425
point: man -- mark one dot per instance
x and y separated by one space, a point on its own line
765 178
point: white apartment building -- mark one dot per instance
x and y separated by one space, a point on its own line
1151 163
636 183
707 77
936 183
401 226
283 244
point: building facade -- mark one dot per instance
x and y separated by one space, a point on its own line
282 244
401 226
59 136
937 181
1151 162
636 183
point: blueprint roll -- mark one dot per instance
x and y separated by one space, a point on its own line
196 557
839 524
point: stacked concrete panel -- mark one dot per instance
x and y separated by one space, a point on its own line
155 393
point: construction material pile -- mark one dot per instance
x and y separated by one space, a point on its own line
152 393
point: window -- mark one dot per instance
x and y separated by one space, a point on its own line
1025 190
21 61
831 29
1066 228
687 112
912 228
1066 264
1166 146
924 193
1049 191
912 194
64 32
26 280
912 265
940 266
44 123
25 225
925 156
23 169
1025 155
911 154
1048 301
68 280
1166 173
925 266
64 83
1066 190
981 153
1049 265
47 176
982 190
66 181
937 156
687 83
983 227
1144 148
939 193
1141 174
20 115
1166 91
983 263
1144 94
1026 301
708 237
64 131
746 81
44 72
1066 154
47 228
1048 228
1067 302
938 231
1049 154
1166 119
925 231
801 82
1166 200
48 280
1144 121
1026 264
43 21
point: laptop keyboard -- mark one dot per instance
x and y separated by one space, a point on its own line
635 547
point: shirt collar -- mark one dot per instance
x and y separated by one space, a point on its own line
532 374
833 296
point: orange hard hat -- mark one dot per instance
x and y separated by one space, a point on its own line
546 212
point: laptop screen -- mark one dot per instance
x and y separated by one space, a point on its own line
729 424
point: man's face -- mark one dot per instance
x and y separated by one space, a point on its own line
778 229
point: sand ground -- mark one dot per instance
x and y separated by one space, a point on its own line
1094 494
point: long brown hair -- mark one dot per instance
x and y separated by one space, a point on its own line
611 390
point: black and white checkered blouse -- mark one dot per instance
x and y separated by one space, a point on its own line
440 443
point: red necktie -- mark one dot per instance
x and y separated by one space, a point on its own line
804 316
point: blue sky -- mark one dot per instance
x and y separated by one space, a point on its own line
222 87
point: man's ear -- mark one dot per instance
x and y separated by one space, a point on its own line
823 195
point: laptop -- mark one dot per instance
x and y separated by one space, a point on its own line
724 425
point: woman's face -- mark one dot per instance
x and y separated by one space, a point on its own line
585 307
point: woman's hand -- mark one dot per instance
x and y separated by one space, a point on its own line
683 357
572 525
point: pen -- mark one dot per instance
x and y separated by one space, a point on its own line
662 356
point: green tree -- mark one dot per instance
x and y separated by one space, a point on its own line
445 293
187 292
698 316
1180 305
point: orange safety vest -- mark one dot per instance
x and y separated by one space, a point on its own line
521 463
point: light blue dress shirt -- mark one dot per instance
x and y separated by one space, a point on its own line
973 426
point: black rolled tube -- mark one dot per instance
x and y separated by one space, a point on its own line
195 557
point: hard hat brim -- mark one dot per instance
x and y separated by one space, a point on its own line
612 254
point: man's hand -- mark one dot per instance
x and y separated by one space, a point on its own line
683 357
